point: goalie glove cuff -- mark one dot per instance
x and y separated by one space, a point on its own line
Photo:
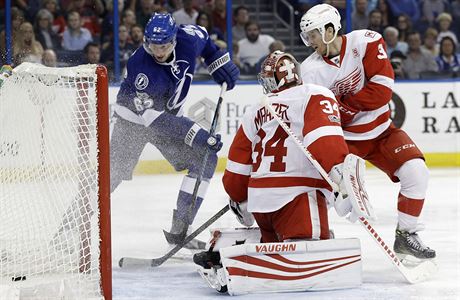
241 212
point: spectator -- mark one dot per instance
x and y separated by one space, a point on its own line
204 20
397 58
375 21
59 23
145 12
49 58
205 5
27 48
448 60
236 55
253 47
128 18
89 11
432 8
75 37
187 14
455 6
44 32
125 48
418 60
276 45
219 15
137 35
107 22
409 8
17 18
360 18
390 35
387 14
241 17
404 26
430 41
444 20
92 53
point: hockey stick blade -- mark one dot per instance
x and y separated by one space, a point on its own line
126 262
415 274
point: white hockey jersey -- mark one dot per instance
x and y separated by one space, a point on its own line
266 167
363 79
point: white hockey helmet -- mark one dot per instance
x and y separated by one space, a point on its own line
318 17
279 71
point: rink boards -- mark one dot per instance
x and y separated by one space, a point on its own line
429 111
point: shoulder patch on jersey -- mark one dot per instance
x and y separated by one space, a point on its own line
142 81
370 34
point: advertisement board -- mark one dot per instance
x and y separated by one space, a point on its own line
428 111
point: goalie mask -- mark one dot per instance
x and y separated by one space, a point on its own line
279 71
316 18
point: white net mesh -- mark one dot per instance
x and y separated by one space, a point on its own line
49 215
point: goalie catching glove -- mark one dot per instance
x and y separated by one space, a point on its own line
241 212
351 200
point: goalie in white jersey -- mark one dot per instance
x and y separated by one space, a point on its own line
356 68
269 178
268 172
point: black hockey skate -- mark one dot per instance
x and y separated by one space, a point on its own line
409 243
178 233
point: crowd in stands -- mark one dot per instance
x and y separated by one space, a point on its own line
422 35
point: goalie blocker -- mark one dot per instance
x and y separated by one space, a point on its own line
237 264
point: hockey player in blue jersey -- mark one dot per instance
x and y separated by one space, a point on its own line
149 109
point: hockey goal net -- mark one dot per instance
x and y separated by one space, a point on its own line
54 184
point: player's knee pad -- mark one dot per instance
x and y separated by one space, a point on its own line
413 175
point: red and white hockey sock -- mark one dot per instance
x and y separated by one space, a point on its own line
413 176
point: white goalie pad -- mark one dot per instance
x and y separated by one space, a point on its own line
226 237
291 267
353 178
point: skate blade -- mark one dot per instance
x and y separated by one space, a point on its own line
411 261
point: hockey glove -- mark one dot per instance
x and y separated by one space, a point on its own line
222 69
347 113
241 212
198 137
5 72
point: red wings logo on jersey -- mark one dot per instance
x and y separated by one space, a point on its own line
347 85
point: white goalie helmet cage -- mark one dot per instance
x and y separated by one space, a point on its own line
318 17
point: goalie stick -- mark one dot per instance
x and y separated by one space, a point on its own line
175 238
413 274
155 262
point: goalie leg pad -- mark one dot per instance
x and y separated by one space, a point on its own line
292 267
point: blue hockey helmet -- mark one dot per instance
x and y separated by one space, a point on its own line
160 29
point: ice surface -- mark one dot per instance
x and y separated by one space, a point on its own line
141 208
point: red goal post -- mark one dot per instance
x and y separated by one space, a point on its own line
55 234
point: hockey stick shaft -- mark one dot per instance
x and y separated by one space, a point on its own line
411 275
155 262
212 130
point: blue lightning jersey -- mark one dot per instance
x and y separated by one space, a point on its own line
151 89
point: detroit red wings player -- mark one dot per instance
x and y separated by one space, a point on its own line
283 190
356 68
